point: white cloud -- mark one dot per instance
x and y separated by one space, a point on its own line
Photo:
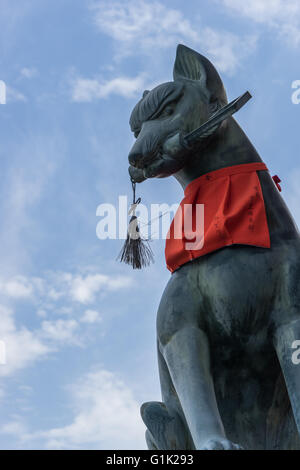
23 347
83 289
139 26
147 24
61 331
28 72
86 90
106 417
17 287
14 427
91 316
33 162
63 287
14 95
26 389
65 310
225 49
152 25
282 16
41 313
57 294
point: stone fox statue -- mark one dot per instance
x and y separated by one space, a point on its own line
228 321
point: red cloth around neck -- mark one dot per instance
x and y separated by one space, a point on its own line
234 213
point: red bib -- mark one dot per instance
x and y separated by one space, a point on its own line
234 213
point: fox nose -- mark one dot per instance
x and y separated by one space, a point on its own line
134 159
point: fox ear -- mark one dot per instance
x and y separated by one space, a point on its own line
191 65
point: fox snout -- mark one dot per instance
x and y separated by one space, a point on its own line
147 146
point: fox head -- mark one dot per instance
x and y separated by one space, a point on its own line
182 105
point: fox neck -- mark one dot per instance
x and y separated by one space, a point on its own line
230 146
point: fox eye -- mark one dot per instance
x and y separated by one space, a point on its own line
167 111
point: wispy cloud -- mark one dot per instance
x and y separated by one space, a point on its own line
226 49
16 287
62 286
23 346
106 415
282 16
14 95
147 24
28 72
11 20
60 301
84 288
61 331
86 89
34 159
91 316
15 427
153 26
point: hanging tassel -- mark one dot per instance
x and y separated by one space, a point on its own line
136 251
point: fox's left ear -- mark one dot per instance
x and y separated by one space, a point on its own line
191 65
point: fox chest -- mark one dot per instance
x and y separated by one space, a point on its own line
239 287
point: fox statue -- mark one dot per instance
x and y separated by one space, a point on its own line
228 319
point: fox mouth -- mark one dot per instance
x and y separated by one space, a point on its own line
144 162
147 167
159 163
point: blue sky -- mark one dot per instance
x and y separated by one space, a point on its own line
79 328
